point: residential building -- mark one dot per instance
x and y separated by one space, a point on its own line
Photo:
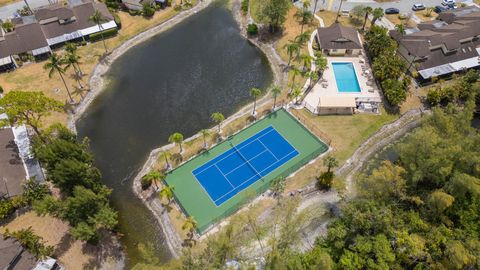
449 44
339 40
14 256
12 170
50 27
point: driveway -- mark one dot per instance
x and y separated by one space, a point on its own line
7 11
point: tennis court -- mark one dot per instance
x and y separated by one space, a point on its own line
216 183
244 164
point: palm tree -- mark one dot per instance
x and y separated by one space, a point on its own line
306 60
276 91
302 38
218 119
72 60
304 15
176 138
330 162
296 93
255 93
313 76
295 72
167 193
377 14
72 49
400 28
97 18
166 155
55 64
190 225
321 63
205 133
292 48
367 10
153 177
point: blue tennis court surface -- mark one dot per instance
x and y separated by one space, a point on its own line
244 164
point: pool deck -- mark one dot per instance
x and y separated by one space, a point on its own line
327 85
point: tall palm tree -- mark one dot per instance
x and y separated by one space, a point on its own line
306 60
218 119
73 60
295 72
377 14
190 225
55 64
302 38
313 76
304 16
97 18
72 49
166 193
293 48
153 177
321 63
255 93
166 155
205 133
296 93
176 138
276 91
367 10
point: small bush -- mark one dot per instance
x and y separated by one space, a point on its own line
148 11
6 208
1 90
146 183
117 20
252 29
244 6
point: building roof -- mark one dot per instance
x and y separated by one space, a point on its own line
337 101
453 37
338 36
12 170
14 256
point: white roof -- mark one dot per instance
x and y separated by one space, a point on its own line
95 28
5 61
41 50
337 101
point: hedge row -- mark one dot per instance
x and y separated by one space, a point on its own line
106 33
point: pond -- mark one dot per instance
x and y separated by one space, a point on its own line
171 83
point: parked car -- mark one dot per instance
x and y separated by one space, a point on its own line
417 7
439 9
448 2
452 6
392 11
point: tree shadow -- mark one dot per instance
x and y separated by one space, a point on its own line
107 248
64 245
265 35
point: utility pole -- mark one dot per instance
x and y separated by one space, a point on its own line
28 6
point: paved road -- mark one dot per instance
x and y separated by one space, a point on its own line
8 10
405 6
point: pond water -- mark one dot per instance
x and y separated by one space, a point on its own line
171 83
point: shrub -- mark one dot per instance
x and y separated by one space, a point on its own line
146 183
252 29
117 20
244 6
107 33
6 208
1 90
148 11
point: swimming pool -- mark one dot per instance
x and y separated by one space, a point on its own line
346 77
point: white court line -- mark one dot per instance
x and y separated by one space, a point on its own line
224 176
295 150
244 163
269 149
238 148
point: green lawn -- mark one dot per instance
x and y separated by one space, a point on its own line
195 201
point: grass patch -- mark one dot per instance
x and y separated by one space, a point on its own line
395 19
422 15
255 6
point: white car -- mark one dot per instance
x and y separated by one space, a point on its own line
448 2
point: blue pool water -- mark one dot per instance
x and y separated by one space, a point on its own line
346 77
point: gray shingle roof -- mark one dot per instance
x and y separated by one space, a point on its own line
338 36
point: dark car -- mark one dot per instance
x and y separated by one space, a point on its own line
439 9
392 11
